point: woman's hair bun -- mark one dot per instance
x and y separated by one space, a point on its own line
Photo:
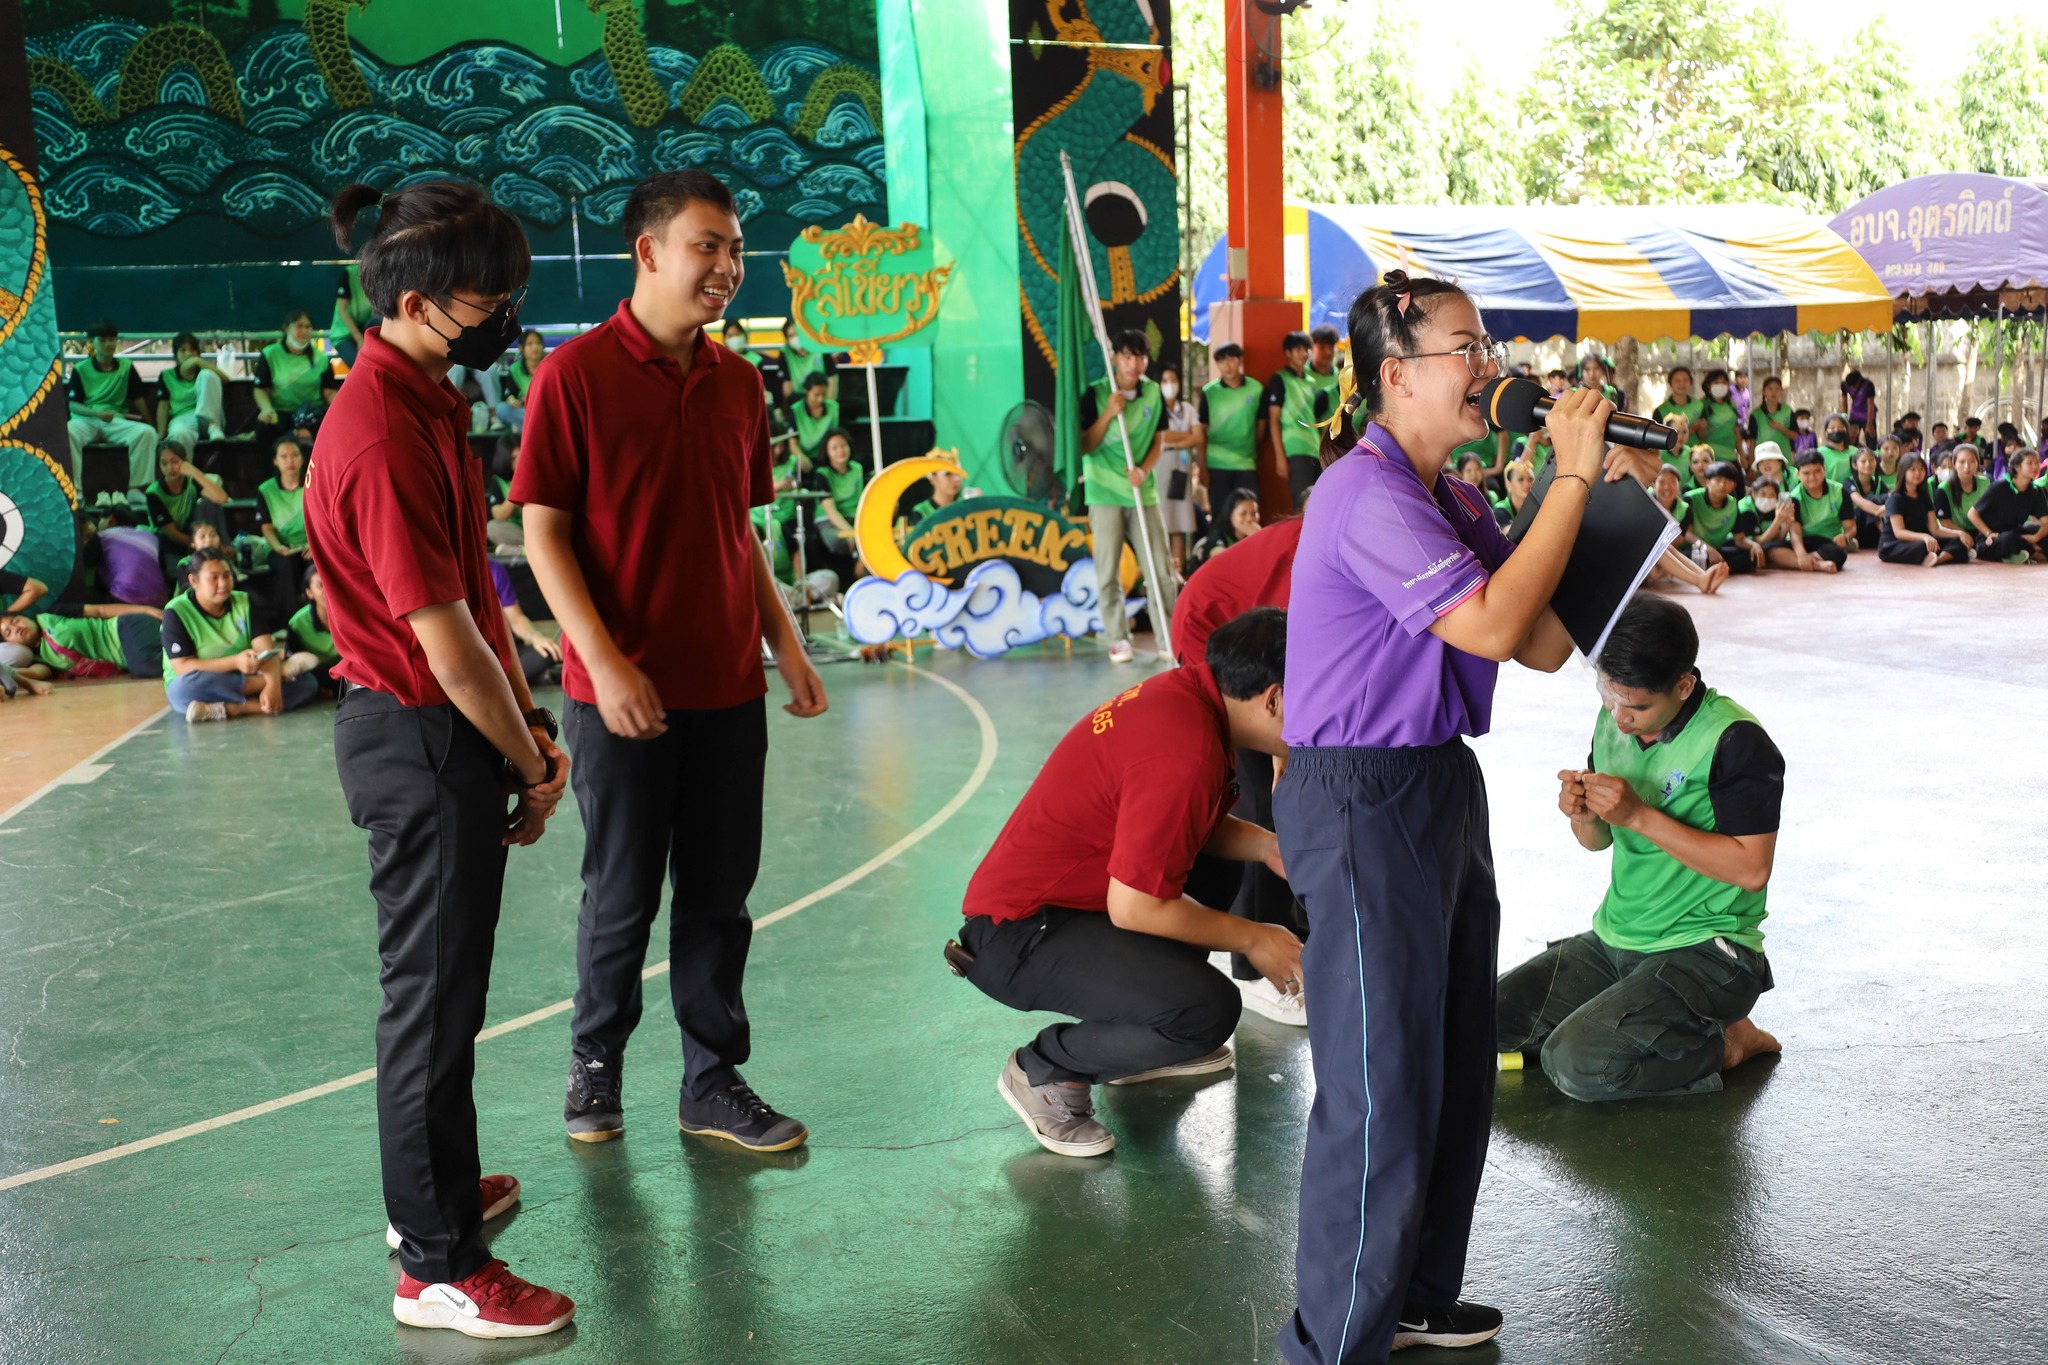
1396 280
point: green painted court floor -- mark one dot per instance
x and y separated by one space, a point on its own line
189 935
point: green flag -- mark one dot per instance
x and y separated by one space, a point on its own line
1070 364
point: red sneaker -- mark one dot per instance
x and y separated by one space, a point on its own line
499 1192
491 1303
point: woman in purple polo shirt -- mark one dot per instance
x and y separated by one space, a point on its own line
1405 603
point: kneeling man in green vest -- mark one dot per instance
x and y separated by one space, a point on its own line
1684 786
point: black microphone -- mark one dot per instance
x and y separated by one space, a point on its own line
1522 404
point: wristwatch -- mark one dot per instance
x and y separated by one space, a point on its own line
540 718
547 775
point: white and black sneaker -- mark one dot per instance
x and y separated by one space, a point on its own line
1457 1324
592 1110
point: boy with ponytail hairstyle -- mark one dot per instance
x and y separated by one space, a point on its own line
435 730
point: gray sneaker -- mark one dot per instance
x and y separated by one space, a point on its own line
1200 1066
1061 1117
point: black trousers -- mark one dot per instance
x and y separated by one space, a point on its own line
1302 473
1389 850
2004 545
1142 1001
685 805
1264 896
427 786
1826 549
1916 552
1737 559
1224 482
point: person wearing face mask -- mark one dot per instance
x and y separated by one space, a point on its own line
288 370
1180 455
435 730
1836 452
1721 421
640 537
1686 788
1802 422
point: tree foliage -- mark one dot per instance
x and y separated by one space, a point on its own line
1634 102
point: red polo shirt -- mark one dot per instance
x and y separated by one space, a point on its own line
660 469
395 515
1133 792
1256 572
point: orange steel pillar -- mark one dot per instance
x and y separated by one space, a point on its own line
1257 313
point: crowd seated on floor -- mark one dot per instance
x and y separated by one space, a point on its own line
198 467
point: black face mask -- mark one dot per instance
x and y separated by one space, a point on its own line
478 345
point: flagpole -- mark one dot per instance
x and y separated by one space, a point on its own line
1077 228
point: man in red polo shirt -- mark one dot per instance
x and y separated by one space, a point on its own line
1095 900
646 447
1255 572
435 726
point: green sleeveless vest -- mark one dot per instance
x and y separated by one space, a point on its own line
287 509
1654 902
1233 425
1298 415
105 388
215 637
305 628
810 431
1960 503
294 378
179 505
1714 525
1108 483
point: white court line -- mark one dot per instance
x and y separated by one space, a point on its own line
122 930
74 774
838 884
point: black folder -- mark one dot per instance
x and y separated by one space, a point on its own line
1623 534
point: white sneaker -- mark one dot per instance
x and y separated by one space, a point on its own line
1265 999
1120 652
299 664
198 712
1218 1060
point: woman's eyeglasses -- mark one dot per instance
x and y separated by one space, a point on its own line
1482 357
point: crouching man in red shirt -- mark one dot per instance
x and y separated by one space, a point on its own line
1100 897
435 730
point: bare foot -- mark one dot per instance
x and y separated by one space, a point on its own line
1717 574
1826 566
36 686
1743 1040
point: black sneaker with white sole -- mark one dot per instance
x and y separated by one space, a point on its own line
1456 1324
592 1111
740 1116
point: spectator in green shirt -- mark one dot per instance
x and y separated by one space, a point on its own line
817 415
182 495
1722 418
1685 788
841 480
1815 536
1295 403
1771 418
509 402
1595 373
218 664
1123 431
1681 408
189 396
288 371
107 397
1230 416
106 639
281 517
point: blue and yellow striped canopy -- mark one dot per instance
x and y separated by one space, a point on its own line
1585 272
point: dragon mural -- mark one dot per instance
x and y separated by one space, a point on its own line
1091 78
141 124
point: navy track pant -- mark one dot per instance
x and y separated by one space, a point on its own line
1389 851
